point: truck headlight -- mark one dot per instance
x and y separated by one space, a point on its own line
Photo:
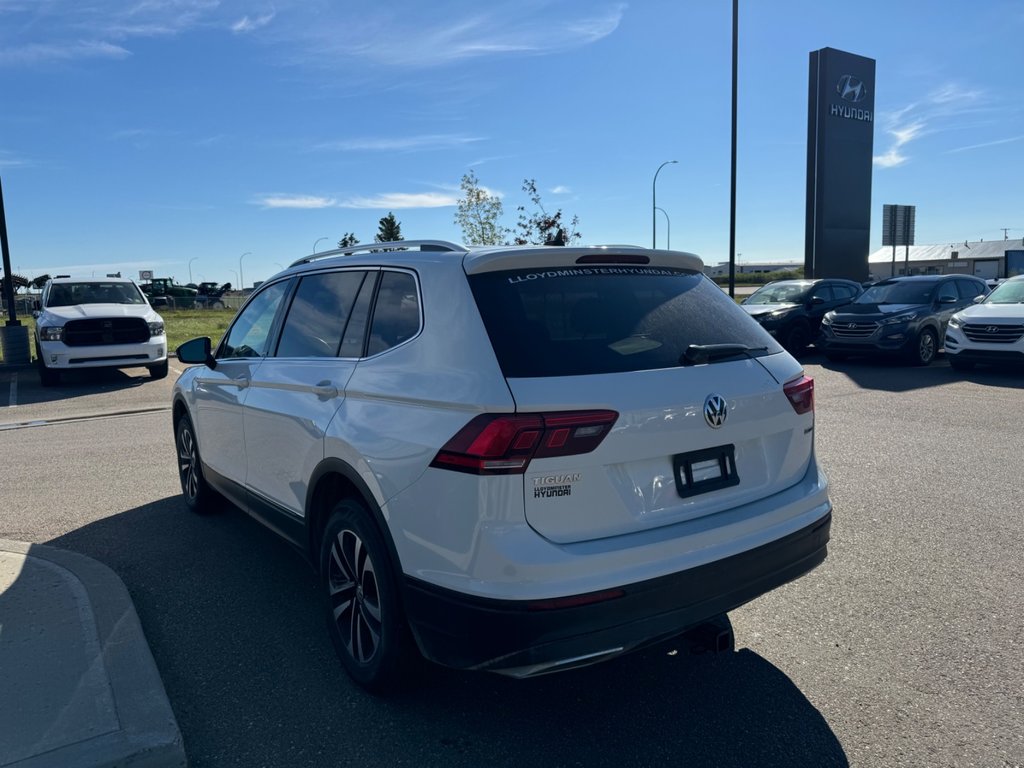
156 329
51 332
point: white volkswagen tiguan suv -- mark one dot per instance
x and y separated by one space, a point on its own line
516 459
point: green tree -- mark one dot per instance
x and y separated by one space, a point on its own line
538 227
479 214
389 229
348 240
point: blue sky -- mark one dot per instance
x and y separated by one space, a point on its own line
155 134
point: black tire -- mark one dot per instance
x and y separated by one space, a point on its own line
363 606
961 365
158 371
47 376
836 357
198 495
217 304
924 348
796 338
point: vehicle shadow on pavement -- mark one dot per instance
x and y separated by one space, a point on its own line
895 376
74 383
233 618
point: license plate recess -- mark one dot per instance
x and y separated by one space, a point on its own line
708 469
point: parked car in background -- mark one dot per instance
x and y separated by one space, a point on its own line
97 323
903 316
514 459
791 310
991 331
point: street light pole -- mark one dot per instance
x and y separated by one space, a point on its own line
190 267
732 174
316 242
654 203
241 275
668 229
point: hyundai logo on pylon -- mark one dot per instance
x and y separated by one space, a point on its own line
851 89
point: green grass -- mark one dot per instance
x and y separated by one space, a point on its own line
181 325
185 324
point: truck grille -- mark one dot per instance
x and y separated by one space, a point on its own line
994 334
854 330
96 332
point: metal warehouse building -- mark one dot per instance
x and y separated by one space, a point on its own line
988 259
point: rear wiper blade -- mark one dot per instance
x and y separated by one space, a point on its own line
698 354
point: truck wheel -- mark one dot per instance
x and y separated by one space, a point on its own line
47 376
158 371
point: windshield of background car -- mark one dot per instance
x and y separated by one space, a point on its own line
781 293
70 294
1007 293
898 293
589 320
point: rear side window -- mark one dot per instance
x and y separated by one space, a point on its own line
578 321
316 319
396 313
970 288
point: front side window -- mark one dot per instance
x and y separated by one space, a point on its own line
578 321
318 314
250 333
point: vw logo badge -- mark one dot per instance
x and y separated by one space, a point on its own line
715 411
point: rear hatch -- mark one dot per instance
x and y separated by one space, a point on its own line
692 387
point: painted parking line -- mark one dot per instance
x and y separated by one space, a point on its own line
12 401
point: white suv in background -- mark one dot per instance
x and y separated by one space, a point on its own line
991 331
516 459
97 323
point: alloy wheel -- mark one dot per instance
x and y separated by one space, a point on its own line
355 596
187 463
926 347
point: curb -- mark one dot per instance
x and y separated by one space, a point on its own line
147 734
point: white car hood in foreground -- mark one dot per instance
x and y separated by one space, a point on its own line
85 311
992 313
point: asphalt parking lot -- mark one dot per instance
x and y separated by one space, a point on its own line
905 648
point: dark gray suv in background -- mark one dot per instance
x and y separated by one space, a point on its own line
902 316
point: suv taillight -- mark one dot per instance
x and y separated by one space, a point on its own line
801 394
504 444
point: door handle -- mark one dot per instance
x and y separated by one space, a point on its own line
325 390
241 381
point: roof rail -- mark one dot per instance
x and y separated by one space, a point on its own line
404 245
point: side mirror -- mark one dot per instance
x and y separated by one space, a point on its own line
947 300
979 298
196 352
817 300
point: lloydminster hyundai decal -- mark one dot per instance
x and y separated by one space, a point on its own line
554 486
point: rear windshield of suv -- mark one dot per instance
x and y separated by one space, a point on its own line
589 320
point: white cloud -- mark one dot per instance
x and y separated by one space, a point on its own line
407 143
40 53
11 160
245 24
397 200
986 144
561 190
942 110
295 201
890 159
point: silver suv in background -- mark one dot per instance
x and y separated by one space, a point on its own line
515 459
990 331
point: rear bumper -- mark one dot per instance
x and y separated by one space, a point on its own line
523 638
